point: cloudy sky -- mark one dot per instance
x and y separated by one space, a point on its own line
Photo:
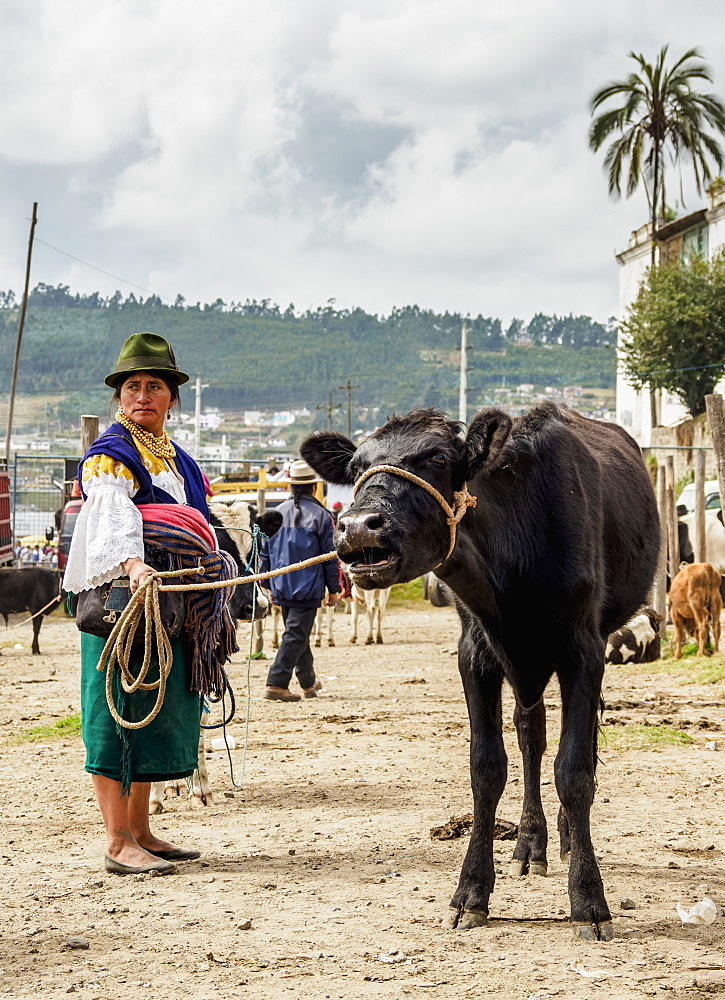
375 153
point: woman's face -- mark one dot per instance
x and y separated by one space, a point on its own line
146 398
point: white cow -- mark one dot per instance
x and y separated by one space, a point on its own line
372 601
198 786
714 538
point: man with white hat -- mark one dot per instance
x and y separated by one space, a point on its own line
306 532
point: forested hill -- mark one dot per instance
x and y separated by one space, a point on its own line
256 355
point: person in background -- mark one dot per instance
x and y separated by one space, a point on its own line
306 532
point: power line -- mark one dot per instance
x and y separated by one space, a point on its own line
108 274
674 371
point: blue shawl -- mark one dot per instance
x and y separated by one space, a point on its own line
118 443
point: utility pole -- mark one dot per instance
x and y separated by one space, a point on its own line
348 387
21 324
463 383
198 388
329 407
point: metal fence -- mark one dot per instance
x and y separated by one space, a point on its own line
39 486
38 492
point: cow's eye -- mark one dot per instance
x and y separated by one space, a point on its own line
438 459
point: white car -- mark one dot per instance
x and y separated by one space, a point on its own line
712 496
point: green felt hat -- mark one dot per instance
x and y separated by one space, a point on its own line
146 352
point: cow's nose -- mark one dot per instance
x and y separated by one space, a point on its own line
359 527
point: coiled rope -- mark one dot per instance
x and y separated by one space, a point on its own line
118 648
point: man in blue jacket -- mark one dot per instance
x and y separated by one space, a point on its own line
306 532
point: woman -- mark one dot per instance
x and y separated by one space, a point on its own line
137 484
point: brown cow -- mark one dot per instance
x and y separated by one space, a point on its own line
694 600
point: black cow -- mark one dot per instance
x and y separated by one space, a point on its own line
233 522
29 590
559 552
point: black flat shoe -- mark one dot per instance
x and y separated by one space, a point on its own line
178 854
163 867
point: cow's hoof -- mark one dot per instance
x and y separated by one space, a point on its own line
594 932
200 801
565 855
317 644
379 642
472 918
331 642
369 641
464 920
518 868
353 639
155 808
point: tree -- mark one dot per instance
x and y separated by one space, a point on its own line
661 114
676 331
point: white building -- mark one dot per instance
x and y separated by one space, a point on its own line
701 232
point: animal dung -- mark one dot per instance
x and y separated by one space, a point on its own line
458 826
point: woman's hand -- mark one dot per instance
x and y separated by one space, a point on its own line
137 572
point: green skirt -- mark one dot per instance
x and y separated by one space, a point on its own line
167 748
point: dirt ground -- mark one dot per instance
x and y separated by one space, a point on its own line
319 878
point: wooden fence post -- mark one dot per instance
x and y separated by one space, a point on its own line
699 540
673 539
660 588
89 431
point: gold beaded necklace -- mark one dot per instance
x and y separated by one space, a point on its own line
161 446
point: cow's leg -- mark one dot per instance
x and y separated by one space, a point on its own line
574 773
370 609
317 627
562 823
702 628
200 793
382 605
37 622
530 851
330 613
482 686
355 613
156 796
276 613
257 636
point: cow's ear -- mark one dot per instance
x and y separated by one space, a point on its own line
486 439
329 454
270 522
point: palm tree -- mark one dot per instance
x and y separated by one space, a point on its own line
661 114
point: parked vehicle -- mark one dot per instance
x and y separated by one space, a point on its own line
712 496
68 517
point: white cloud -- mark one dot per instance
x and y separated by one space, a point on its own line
429 151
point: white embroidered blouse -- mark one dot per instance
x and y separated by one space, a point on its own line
109 529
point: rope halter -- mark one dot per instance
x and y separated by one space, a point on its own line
462 499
